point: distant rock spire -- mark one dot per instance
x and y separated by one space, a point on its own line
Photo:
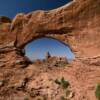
47 55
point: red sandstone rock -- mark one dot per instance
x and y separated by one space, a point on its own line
77 25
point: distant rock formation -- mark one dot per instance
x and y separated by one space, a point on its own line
52 61
47 55
56 61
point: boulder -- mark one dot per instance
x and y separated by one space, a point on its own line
4 19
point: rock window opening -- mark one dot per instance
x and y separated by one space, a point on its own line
48 49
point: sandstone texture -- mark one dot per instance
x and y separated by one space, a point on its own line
77 25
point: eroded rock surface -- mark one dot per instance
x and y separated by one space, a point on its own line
77 25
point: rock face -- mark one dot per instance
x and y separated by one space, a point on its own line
4 19
76 25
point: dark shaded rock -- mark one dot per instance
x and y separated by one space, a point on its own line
4 19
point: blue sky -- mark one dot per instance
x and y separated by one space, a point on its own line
37 49
11 7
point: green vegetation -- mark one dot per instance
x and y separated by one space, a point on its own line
1 26
62 98
63 83
57 82
44 98
97 92
38 99
26 98
63 64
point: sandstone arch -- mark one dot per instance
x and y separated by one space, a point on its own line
77 24
72 24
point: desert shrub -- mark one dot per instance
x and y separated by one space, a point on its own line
44 98
1 26
57 82
26 98
62 98
63 83
38 99
97 92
